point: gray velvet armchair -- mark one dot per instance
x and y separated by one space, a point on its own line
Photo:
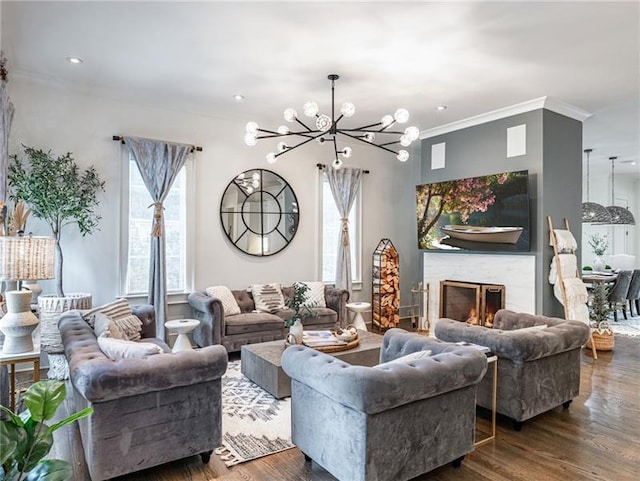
385 423
145 411
538 369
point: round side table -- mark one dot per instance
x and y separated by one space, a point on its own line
182 327
358 308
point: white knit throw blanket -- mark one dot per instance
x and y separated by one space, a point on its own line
568 266
565 242
577 297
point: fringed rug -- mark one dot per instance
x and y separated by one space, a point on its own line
254 423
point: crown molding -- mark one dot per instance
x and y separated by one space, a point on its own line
548 103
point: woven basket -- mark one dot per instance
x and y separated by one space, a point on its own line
603 342
51 308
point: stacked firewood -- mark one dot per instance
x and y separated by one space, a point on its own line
386 289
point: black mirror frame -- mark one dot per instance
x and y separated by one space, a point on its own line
291 216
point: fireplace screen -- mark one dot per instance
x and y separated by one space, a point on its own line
471 302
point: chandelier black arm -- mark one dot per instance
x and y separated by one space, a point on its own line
335 146
301 134
374 131
304 125
368 143
388 143
365 127
300 144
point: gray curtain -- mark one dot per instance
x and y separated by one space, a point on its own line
344 184
159 164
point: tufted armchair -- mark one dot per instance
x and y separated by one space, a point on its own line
145 411
538 368
392 422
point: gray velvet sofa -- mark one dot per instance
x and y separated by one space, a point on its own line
146 411
538 370
388 423
250 327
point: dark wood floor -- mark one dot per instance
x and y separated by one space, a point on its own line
596 439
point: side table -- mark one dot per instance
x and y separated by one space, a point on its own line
358 308
492 359
12 359
182 327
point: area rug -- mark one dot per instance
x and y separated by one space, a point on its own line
254 423
626 327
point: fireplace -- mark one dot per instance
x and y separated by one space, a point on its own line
471 302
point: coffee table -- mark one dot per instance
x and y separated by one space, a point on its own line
261 363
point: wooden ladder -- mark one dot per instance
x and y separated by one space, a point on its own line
560 277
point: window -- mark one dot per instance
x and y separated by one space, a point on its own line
331 226
138 231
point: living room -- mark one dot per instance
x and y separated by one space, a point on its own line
170 71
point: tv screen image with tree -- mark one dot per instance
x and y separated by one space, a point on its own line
488 213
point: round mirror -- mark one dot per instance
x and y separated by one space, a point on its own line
259 212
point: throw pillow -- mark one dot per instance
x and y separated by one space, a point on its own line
118 349
315 294
131 326
409 358
117 309
229 304
268 297
106 327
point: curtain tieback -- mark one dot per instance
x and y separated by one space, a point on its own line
345 231
156 228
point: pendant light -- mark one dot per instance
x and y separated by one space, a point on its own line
593 213
619 215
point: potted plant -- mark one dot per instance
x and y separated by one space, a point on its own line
60 194
57 193
298 304
26 438
599 244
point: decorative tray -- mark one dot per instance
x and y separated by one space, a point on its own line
339 347
328 341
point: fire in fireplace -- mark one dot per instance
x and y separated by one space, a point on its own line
471 302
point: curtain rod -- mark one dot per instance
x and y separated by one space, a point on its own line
321 167
119 138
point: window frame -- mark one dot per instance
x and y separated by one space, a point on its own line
189 226
355 232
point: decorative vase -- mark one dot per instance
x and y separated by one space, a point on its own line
599 264
296 330
51 308
18 323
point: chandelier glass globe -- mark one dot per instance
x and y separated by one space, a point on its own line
310 109
290 115
401 116
348 109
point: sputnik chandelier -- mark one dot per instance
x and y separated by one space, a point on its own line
327 129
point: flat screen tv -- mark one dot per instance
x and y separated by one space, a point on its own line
488 213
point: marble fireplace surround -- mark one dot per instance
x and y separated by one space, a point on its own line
516 272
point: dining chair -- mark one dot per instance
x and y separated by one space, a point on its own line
633 296
618 294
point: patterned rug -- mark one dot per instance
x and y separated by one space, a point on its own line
254 423
626 327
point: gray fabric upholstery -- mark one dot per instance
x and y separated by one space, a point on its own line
394 423
537 370
250 327
146 411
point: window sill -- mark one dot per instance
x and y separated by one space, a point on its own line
172 298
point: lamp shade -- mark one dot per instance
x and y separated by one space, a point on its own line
620 215
27 258
593 213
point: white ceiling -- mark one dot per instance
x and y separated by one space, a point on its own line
473 57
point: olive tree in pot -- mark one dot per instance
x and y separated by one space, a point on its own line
60 194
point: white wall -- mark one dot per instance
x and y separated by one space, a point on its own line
53 116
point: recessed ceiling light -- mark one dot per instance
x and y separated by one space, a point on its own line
441 107
74 60
239 97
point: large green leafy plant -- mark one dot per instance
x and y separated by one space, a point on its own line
599 308
58 193
25 438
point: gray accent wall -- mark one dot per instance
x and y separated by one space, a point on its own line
553 159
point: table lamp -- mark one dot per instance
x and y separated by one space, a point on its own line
23 258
